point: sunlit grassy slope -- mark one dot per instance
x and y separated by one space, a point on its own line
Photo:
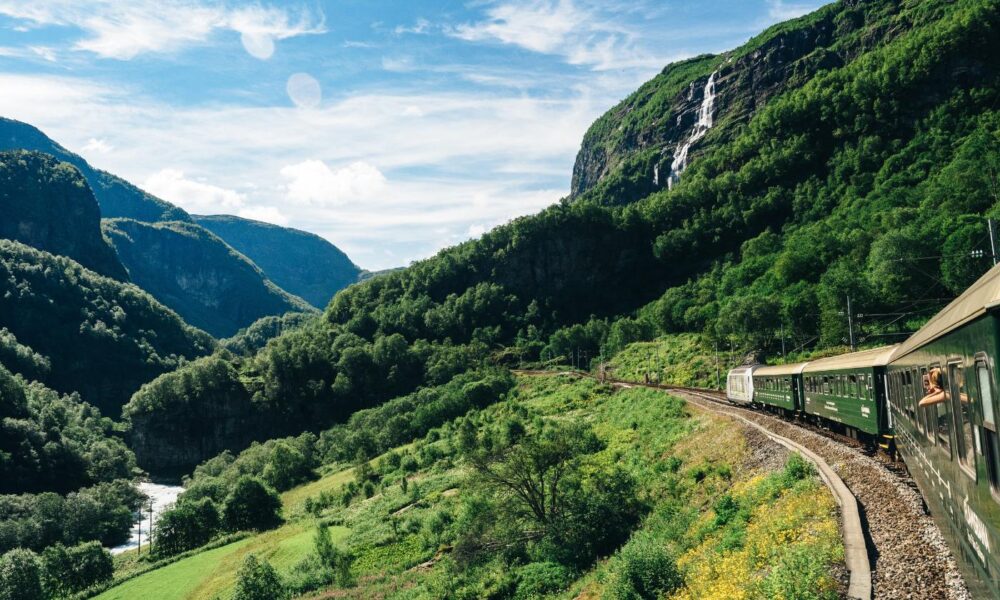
736 527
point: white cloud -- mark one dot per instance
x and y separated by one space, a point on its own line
582 35
268 214
124 30
475 230
421 26
193 196
98 146
314 183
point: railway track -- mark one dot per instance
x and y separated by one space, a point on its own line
892 547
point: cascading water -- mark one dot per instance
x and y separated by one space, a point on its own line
701 127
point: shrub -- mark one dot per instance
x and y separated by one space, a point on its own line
642 569
20 575
251 505
333 558
70 570
186 526
537 579
257 580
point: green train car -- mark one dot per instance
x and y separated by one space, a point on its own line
952 447
850 390
779 387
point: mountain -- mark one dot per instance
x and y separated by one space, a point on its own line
77 331
807 166
47 204
116 197
192 271
301 263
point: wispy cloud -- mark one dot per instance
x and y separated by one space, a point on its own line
124 30
583 35
420 26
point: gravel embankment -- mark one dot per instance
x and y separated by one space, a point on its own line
909 556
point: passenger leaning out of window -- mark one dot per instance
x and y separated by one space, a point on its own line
933 393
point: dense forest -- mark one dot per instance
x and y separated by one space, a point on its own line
77 331
835 176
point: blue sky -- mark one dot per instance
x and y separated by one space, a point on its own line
393 129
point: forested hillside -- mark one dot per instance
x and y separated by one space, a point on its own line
77 331
841 146
117 197
195 273
48 205
301 263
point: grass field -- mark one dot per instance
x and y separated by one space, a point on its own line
212 574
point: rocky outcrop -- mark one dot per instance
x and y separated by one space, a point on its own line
48 205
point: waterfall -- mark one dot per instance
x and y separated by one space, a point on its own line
701 127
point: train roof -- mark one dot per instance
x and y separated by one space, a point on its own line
773 370
876 357
981 296
743 369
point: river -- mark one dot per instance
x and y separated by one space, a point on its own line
162 496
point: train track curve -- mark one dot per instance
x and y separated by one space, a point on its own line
892 539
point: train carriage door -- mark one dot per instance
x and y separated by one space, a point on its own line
961 405
991 447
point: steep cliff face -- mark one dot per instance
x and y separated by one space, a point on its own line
173 441
194 272
301 263
634 148
116 197
47 204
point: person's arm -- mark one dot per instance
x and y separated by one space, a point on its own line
933 398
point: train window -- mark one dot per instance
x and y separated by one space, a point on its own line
986 394
927 413
962 407
991 447
942 417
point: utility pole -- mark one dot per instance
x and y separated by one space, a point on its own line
783 341
718 371
850 323
150 532
993 237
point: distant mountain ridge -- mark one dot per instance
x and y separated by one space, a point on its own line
256 269
302 263
196 273
116 197
47 204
